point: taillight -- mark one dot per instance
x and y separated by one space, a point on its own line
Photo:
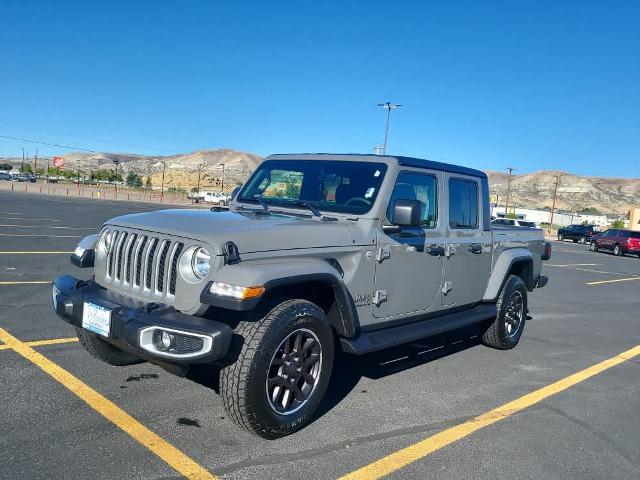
546 251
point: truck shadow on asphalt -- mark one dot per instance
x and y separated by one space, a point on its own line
349 369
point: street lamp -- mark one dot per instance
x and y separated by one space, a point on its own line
164 168
388 106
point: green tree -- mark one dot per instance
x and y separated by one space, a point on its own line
134 180
617 223
6 166
147 184
590 211
512 215
26 168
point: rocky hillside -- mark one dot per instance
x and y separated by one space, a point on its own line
535 190
181 170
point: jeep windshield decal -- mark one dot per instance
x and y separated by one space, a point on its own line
330 185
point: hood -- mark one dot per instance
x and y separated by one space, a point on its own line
250 232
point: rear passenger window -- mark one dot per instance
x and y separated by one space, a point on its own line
463 204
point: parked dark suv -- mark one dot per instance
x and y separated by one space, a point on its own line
620 242
577 233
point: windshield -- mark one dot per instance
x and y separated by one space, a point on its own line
334 186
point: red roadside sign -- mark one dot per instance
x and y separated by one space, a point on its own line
58 162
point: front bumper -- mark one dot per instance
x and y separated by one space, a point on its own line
132 320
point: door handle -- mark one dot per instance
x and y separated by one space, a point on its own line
435 250
476 248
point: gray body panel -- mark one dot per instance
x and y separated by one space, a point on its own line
353 249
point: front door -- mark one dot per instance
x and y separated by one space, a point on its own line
468 254
409 261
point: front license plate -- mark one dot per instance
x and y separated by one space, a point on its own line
96 318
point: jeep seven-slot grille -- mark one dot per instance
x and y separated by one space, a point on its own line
143 263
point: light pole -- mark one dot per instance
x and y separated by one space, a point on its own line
22 166
506 206
388 106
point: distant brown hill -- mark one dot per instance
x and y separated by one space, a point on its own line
535 190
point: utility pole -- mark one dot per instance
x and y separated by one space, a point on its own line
164 168
506 203
555 194
22 166
199 176
35 163
116 177
388 106
222 177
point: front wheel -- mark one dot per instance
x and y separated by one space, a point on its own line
282 370
583 240
561 238
593 246
505 331
617 251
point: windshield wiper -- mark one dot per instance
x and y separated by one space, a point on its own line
313 208
263 205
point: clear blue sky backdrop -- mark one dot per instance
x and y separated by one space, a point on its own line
489 84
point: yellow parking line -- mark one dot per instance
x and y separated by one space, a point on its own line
105 407
26 282
16 252
600 282
412 453
39 343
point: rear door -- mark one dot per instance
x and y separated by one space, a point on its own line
467 263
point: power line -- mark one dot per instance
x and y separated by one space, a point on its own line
37 142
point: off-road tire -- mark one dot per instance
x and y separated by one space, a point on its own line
243 382
496 335
104 351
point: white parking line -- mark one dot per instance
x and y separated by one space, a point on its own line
46 226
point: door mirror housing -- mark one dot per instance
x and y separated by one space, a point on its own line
407 213
235 192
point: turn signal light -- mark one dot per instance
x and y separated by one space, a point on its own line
235 291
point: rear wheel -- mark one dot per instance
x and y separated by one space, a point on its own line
561 238
617 251
593 246
505 331
104 351
583 240
282 371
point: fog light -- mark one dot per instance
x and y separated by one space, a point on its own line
166 340
163 340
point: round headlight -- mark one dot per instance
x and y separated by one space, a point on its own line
201 263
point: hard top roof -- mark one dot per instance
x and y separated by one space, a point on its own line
401 160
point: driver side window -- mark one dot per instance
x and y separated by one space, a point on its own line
416 186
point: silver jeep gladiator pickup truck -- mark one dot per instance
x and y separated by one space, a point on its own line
316 252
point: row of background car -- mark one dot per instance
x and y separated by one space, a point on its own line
616 240
18 177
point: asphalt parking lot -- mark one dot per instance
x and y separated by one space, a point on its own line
563 404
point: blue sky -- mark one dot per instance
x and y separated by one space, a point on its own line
488 84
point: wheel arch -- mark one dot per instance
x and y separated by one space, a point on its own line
515 261
318 281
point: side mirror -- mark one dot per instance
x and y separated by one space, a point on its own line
235 192
407 213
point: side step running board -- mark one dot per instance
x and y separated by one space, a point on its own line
368 342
